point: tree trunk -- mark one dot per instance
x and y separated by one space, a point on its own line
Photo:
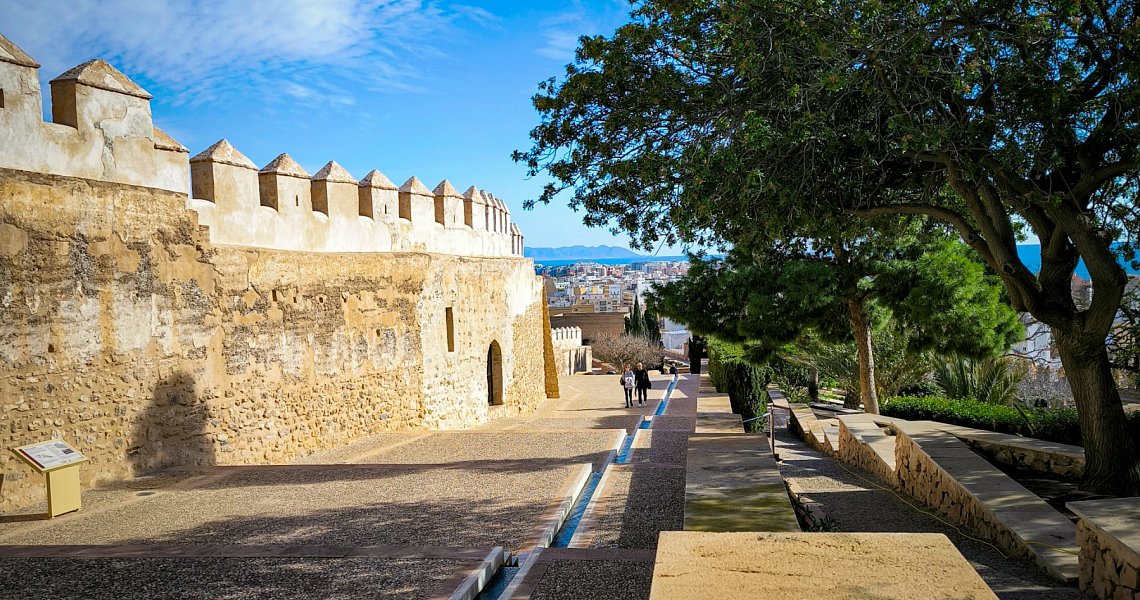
865 352
813 384
1112 465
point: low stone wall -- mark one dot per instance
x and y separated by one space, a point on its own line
920 477
1012 454
1108 568
1108 534
805 426
854 452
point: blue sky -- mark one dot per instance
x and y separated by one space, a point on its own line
409 87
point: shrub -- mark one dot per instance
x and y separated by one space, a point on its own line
744 382
1052 424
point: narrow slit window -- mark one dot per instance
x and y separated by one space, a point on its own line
450 329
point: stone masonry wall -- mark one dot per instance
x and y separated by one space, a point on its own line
124 332
921 477
1109 569
853 452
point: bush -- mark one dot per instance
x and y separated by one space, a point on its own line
1052 424
744 382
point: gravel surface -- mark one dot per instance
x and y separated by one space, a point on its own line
857 506
661 446
639 503
346 506
360 449
595 580
228 578
628 422
527 450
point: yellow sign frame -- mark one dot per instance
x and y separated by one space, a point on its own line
59 463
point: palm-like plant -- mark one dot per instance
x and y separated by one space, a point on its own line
990 380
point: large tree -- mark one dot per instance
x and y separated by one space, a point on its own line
907 273
700 118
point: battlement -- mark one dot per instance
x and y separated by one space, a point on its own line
101 129
566 337
101 126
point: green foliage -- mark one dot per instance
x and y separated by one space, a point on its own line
745 382
990 380
1052 424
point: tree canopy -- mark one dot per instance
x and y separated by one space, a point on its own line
717 122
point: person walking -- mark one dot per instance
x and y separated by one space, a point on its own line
627 381
641 382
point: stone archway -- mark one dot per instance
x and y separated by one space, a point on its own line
494 374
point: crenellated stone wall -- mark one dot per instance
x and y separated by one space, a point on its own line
147 339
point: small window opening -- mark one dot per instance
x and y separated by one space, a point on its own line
1 98
450 329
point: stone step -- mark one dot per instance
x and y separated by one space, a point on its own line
732 484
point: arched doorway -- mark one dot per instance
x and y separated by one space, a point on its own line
494 374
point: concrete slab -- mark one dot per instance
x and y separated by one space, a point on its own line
779 566
718 423
732 484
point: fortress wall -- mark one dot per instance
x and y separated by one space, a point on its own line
157 310
125 333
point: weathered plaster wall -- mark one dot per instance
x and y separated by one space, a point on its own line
152 320
125 333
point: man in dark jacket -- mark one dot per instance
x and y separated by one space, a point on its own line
641 382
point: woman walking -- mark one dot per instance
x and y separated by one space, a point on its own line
641 382
627 380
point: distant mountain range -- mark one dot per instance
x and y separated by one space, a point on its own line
579 252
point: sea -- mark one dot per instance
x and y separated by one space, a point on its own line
1030 254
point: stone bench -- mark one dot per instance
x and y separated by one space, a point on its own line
934 466
1023 452
807 427
863 443
1109 535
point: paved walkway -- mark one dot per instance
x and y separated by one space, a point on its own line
856 503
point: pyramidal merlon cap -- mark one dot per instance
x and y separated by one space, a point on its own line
11 53
334 173
377 179
285 165
223 152
100 74
445 189
415 186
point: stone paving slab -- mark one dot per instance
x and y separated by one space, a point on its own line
718 423
670 422
231 578
779 566
732 484
584 574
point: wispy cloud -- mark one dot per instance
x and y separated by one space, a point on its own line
311 50
560 32
480 16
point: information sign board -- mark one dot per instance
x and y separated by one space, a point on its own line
49 455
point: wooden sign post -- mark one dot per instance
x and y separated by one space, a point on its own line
59 463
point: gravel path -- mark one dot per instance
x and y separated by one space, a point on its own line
638 503
856 505
595 579
229 578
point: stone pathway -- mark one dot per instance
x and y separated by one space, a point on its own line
855 502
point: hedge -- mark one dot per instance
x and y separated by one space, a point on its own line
744 382
1052 424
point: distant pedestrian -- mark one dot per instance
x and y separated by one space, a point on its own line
627 381
641 382
673 369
